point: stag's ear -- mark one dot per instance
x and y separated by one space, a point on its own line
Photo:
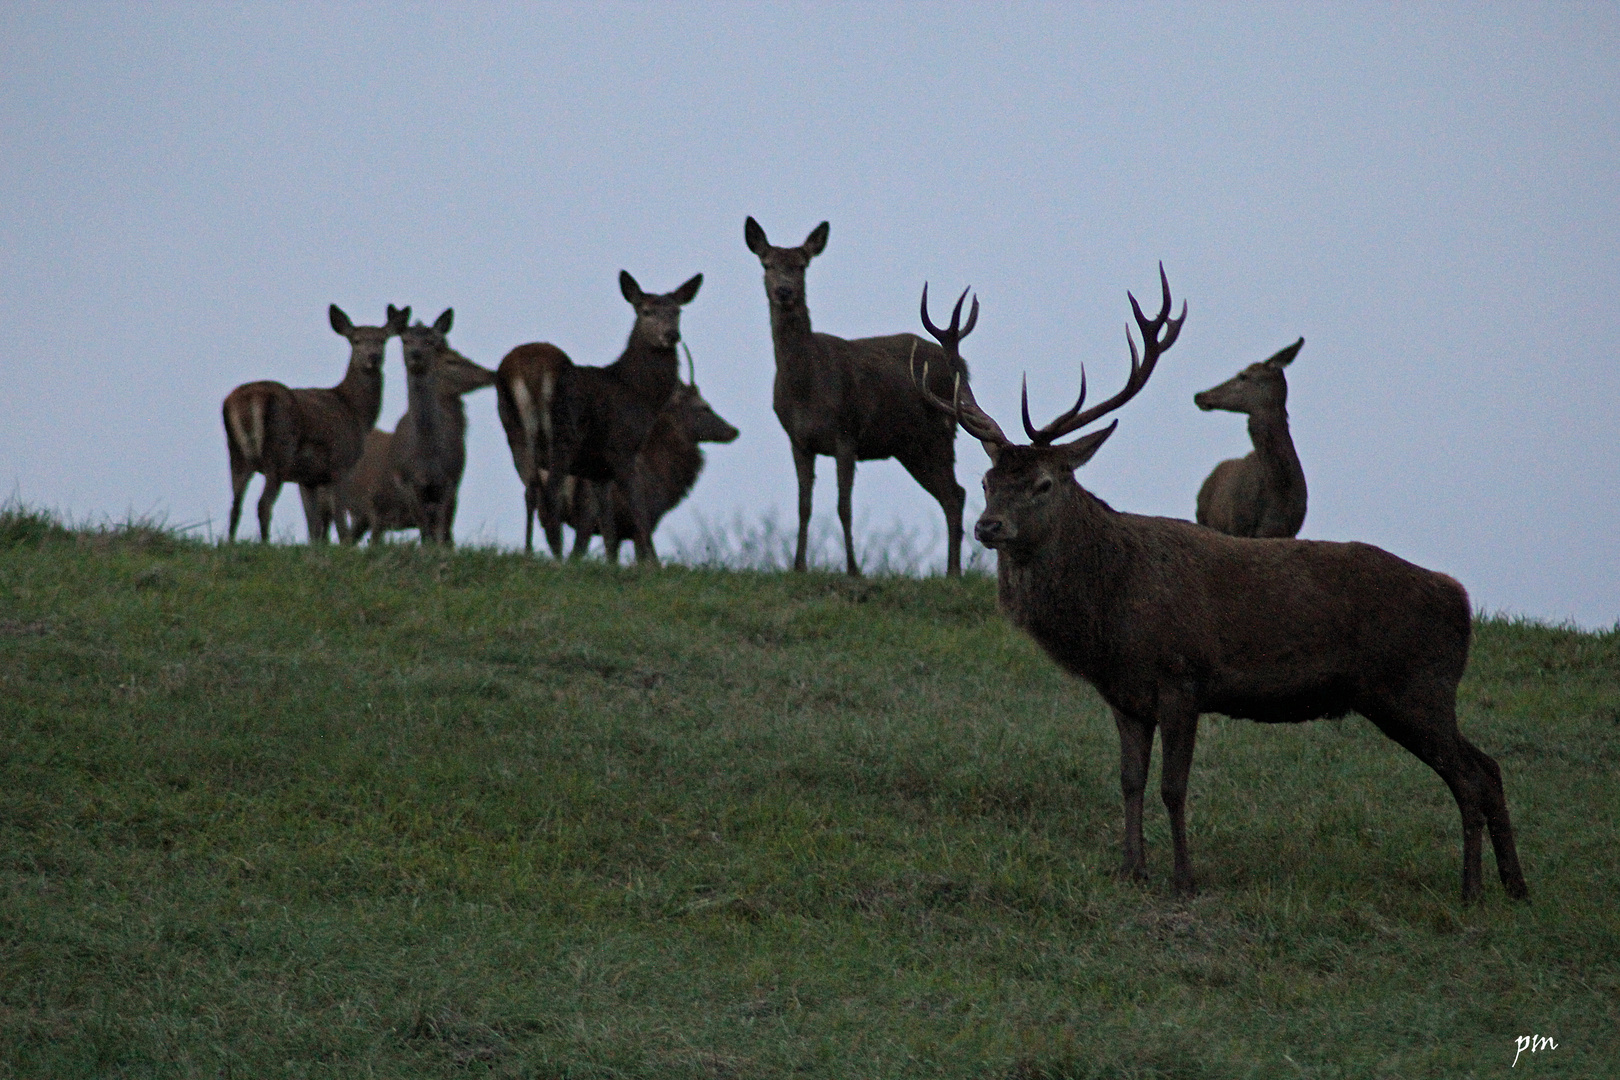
1077 453
627 285
754 237
816 242
1286 356
340 321
992 450
685 293
442 323
398 319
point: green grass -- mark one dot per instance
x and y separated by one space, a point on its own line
270 811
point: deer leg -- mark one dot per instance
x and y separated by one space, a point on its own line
630 482
1179 733
586 518
804 463
1433 739
939 480
1496 819
267 503
846 510
1135 749
239 483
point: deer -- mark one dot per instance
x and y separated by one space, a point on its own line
853 400
375 496
1262 493
668 465
1169 620
566 420
311 437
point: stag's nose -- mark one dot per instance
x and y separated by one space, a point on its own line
992 529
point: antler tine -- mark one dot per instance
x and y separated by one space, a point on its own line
1057 427
691 369
974 420
1154 343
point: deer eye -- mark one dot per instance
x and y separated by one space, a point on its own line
1043 485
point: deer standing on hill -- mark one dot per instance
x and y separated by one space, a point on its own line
1262 493
377 495
563 420
854 400
311 437
1169 620
668 465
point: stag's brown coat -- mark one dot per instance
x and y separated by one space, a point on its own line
855 400
1169 620
1262 493
311 437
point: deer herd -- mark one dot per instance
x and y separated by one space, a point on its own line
1166 618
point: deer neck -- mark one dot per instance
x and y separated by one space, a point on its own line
1063 594
426 409
1274 448
361 390
790 328
673 459
648 371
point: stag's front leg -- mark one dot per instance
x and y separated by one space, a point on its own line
804 463
846 498
1135 749
628 479
1179 732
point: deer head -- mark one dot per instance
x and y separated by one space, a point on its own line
785 267
367 344
1258 388
424 344
697 416
658 318
1028 488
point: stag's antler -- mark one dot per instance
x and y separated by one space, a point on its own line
1154 344
974 420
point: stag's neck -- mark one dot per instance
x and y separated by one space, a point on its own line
672 462
361 391
1274 447
1067 594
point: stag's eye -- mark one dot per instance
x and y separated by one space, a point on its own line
1043 485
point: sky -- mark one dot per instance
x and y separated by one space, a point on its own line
1429 194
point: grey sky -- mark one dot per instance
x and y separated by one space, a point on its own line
1427 194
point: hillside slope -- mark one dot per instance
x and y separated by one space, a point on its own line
274 811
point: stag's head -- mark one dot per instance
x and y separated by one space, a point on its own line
424 345
1028 487
785 266
1258 388
459 375
658 318
367 344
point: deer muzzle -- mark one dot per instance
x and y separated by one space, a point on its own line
992 530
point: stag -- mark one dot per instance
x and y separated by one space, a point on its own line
1169 620
1262 493
377 496
668 466
312 437
854 400
563 420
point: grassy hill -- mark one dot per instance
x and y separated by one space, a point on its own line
272 811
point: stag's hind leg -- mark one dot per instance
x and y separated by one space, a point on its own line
1494 799
1429 731
1178 730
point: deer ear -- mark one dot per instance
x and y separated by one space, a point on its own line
1077 453
340 321
816 242
398 318
442 323
627 285
754 237
1286 356
992 450
685 293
